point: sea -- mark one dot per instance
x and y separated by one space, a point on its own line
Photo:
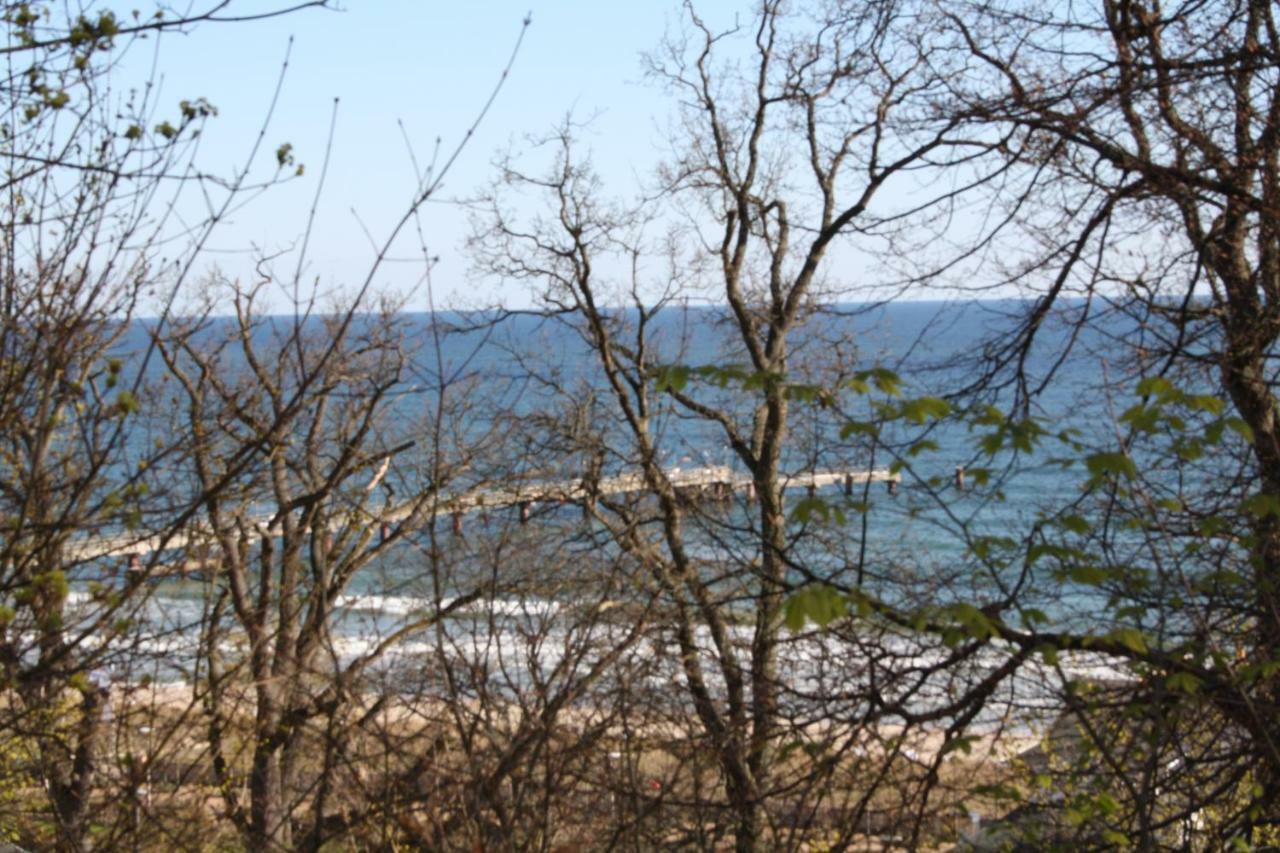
929 540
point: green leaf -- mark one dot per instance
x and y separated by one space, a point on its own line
1190 451
827 605
1206 403
990 416
1130 638
975 623
999 791
817 603
1116 839
1212 525
1104 464
803 393
807 507
793 614
1088 575
1025 434
923 409
1183 682
852 428
962 743
126 403
1042 549
1106 803
922 446
1074 524
1261 505
670 377
1154 386
1241 428
884 380
1142 418
858 386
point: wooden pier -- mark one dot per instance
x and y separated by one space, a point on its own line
711 481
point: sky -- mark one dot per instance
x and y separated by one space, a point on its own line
431 66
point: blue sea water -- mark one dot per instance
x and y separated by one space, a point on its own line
937 349
516 366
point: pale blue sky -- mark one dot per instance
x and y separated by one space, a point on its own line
431 65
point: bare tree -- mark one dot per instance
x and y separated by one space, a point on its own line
1143 141
88 170
286 535
792 129
454 602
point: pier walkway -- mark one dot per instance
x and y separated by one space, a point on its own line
712 481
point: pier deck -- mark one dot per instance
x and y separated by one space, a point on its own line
705 479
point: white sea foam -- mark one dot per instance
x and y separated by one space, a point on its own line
407 605
508 644
391 605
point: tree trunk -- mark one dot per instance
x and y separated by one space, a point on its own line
269 819
71 786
